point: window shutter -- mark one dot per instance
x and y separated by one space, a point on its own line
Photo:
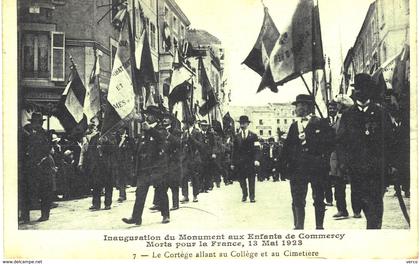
57 56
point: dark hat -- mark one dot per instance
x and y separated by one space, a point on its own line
303 98
363 81
244 119
154 110
271 139
36 116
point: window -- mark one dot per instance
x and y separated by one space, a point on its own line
152 36
293 120
36 53
261 132
167 14
269 132
182 31
175 24
293 112
384 52
285 121
175 44
147 24
278 121
57 56
372 31
261 122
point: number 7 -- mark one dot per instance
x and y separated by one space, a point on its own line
134 256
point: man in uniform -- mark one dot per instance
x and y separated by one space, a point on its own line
305 159
152 165
37 147
246 154
364 135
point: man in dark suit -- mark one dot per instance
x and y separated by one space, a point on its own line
152 165
273 153
97 165
305 159
246 151
365 134
36 144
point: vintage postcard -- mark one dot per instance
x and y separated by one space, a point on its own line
209 130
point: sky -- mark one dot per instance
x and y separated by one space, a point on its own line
237 24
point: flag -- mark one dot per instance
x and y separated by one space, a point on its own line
120 98
180 83
258 57
145 73
210 103
180 93
166 34
298 50
401 80
208 92
401 73
70 112
92 103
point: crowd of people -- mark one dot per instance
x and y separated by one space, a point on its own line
363 142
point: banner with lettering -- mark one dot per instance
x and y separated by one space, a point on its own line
298 50
121 97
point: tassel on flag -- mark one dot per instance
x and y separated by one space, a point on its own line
298 50
257 59
70 112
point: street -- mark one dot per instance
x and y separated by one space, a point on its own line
221 208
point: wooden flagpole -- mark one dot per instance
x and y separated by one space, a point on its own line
310 93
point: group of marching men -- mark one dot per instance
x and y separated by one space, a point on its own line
165 156
364 142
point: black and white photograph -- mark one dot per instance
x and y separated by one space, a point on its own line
210 129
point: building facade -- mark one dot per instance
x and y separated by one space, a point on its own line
53 34
272 120
384 32
48 37
212 53
172 27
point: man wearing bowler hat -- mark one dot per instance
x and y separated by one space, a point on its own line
245 155
305 159
364 135
36 144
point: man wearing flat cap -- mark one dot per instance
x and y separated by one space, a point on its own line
305 159
36 144
338 176
364 135
245 156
